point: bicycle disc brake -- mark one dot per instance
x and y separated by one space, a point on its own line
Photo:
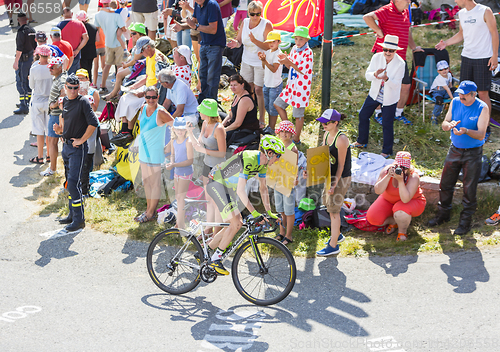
207 274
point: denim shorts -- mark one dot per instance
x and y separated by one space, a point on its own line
50 129
270 95
285 204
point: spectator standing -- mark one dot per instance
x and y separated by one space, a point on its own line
74 32
40 81
226 10
208 21
84 5
100 60
478 31
252 35
240 15
41 39
25 46
146 11
9 6
394 19
467 120
64 46
76 125
56 91
89 51
110 22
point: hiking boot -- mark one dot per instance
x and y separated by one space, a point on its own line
462 229
218 267
328 250
74 226
438 220
67 220
493 220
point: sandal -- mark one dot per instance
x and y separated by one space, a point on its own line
286 241
359 145
390 229
36 160
401 237
47 159
279 237
144 218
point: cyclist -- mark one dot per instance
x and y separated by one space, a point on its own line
227 186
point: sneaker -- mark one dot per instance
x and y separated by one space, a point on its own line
218 267
403 120
103 90
339 240
328 250
434 120
47 172
493 220
378 118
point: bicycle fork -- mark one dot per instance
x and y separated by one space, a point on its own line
262 268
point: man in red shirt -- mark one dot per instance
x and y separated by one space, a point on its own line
75 33
394 19
55 35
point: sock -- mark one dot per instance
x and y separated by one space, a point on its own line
217 255
399 111
378 111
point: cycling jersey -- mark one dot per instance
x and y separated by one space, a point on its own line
245 164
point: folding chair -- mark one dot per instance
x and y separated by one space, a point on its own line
423 73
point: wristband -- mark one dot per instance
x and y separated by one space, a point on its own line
255 214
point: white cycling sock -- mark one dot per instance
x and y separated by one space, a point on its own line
399 111
217 255
378 111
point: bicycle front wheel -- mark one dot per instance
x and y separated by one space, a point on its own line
266 275
171 261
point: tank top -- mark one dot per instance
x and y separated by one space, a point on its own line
477 37
180 151
250 50
152 138
334 156
250 122
210 143
468 116
391 193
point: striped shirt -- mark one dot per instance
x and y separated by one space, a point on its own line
55 92
393 22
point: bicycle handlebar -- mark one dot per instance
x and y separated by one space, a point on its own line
254 225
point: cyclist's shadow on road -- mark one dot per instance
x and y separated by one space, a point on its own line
320 295
57 247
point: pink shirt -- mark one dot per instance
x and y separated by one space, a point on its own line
73 32
226 10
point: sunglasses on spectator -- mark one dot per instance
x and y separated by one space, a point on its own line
389 50
443 69
255 14
133 33
73 87
151 97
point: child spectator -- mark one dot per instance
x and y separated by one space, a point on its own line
298 88
440 89
181 161
273 84
286 205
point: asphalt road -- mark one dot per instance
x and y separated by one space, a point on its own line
91 292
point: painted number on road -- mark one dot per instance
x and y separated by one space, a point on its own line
19 313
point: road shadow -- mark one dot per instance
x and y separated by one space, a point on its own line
134 250
466 268
236 328
12 121
56 246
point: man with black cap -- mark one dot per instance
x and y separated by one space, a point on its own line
467 120
76 125
25 45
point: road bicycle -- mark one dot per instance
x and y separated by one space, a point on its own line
263 269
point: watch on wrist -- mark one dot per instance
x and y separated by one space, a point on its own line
196 27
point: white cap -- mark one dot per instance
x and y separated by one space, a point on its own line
186 52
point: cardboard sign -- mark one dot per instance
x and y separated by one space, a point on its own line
282 174
318 166
127 161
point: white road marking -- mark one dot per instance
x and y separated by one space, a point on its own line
7 40
8 56
386 343
19 313
57 233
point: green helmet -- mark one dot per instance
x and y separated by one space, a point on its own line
269 142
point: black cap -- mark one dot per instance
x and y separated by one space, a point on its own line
73 79
21 14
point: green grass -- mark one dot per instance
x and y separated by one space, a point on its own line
349 88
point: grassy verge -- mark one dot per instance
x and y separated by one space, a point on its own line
428 145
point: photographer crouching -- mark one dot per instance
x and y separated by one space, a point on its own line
76 125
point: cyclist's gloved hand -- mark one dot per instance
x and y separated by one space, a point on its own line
271 215
256 214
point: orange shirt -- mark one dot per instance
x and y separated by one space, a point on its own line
100 43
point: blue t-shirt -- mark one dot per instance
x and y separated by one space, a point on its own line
109 22
468 116
210 12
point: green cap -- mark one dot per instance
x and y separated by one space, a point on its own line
208 107
301 31
138 27
307 204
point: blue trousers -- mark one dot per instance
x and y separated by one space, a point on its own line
210 68
22 73
73 158
388 113
439 108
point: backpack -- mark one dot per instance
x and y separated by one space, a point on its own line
308 219
495 165
108 113
358 219
321 218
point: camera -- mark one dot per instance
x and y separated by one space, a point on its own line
398 171
176 11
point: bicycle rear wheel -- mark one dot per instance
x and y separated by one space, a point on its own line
171 262
270 282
